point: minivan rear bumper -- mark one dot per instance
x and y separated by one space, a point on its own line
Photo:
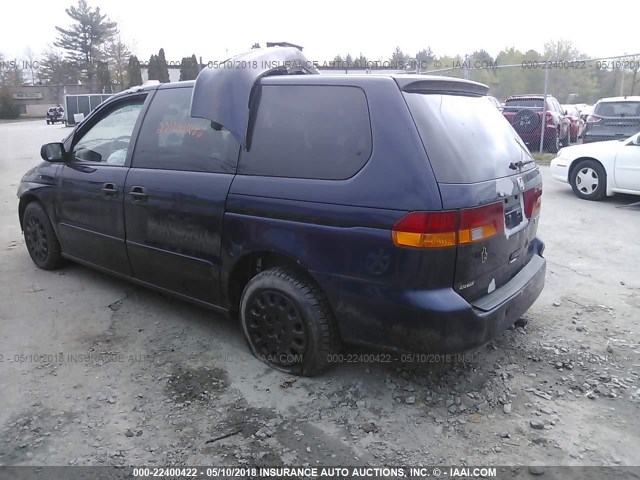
432 321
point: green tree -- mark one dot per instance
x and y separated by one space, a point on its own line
8 108
83 40
104 77
163 68
134 72
55 72
117 54
189 68
425 57
399 59
361 62
11 73
153 69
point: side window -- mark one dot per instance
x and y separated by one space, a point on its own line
172 140
107 141
312 131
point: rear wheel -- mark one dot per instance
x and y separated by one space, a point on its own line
40 238
589 180
288 323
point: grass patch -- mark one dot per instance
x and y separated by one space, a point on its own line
543 158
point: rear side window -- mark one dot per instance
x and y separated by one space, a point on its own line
618 109
320 132
172 140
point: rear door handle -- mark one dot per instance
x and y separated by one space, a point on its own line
139 194
110 190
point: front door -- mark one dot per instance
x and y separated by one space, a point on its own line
175 197
628 167
90 194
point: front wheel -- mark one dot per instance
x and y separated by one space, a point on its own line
288 323
40 238
589 180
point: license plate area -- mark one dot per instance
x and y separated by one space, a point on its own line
513 213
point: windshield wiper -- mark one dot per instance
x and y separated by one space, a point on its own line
519 164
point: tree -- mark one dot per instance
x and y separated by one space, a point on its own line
425 57
361 62
8 108
33 64
56 72
11 74
348 60
104 78
84 38
163 68
255 45
189 68
398 59
153 69
117 54
134 72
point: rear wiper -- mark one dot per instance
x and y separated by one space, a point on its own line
519 164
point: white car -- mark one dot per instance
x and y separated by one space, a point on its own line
603 168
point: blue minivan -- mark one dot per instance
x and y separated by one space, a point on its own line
391 211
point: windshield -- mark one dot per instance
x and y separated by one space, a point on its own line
466 138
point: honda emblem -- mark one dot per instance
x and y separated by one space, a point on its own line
484 254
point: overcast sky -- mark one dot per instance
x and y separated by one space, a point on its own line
214 30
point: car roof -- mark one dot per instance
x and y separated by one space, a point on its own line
620 99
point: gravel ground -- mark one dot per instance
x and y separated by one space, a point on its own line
95 371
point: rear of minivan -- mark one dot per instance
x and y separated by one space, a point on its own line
491 193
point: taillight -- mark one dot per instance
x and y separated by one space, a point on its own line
480 223
449 228
533 202
594 119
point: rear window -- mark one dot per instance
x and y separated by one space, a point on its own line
466 138
524 103
618 109
310 131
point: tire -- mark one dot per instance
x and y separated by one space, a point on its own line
40 238
288 323
48 122
567 139
525 121
589 180
553 144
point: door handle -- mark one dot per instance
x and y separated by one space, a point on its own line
110 190
139 194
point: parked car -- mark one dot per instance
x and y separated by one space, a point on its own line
613 119
525 113
389 211
495 102
596 170
54 114
577 123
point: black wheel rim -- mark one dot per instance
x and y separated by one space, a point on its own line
276 328
36 239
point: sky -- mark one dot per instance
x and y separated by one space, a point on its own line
215 30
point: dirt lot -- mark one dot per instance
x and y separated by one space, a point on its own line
94 370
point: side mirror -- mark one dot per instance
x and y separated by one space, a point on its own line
52 152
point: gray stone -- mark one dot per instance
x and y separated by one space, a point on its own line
506 408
